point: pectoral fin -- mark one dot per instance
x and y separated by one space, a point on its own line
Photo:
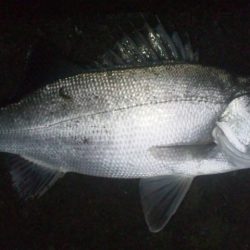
160 197
181 153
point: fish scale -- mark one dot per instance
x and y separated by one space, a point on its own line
93 93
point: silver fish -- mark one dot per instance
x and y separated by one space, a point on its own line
160 117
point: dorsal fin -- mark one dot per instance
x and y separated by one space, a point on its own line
149 46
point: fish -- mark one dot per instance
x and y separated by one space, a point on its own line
147 109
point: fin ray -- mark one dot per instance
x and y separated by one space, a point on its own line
150 45
160 197
30 179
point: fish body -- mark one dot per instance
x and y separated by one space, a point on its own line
108 123
159 116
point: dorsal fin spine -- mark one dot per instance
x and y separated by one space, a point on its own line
149 46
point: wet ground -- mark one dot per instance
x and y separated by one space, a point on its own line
82 212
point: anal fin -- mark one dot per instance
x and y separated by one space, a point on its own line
30 179
160 197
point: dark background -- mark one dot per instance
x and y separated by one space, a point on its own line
82 212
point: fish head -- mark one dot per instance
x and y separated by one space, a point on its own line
232 132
